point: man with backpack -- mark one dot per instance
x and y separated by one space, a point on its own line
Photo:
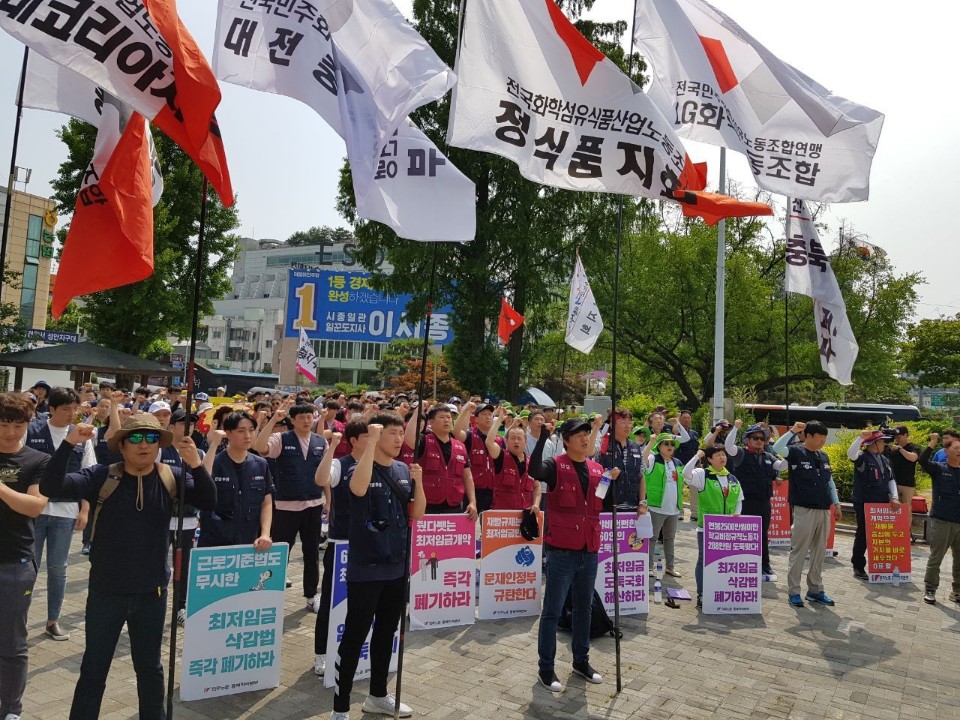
130 546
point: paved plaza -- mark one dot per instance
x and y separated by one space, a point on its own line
881 653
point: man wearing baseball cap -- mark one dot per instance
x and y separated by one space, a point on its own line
129 573
873 482
571 544
41 390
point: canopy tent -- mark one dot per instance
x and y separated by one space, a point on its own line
83 359
534 395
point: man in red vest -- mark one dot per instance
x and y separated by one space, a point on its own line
475 440
447 480
513 488
571 543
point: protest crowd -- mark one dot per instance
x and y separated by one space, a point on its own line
268 468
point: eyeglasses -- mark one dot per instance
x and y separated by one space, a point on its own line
151 436
756 437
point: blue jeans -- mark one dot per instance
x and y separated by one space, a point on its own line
58 534
571 571
106 614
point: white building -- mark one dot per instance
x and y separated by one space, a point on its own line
246 331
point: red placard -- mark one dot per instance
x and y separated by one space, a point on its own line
778 534
888 543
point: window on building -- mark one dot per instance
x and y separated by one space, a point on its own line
34 231
217 334
31 262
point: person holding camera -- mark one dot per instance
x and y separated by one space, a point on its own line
873 482
385 497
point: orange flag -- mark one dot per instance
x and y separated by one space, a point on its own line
113 216
713 207
188 117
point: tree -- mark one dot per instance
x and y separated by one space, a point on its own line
71 319
437 370
393 362
932 351
526 233
13 326
667 314
132 318
320 236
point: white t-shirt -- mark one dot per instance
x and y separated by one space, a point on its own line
670 469
89 459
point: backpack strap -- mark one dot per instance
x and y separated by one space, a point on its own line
114 473
166 477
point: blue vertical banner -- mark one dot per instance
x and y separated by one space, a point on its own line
234 625
338 617
341 305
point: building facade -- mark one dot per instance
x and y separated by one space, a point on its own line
246 331
30 243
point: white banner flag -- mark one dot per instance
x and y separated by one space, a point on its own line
306 358
809 273
531 88
400 178
720 86
584 324
56 88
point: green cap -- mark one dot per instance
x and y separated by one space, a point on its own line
641 429
665 437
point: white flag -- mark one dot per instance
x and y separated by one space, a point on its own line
306 358
57 88
720 86
531 88
809 273
400 178
584 324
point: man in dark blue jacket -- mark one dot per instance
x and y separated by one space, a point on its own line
129 572
945 526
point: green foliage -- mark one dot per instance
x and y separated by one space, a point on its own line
840 464
349 389
526 233
13 327
932 351
69 321
319 235
393 362
133 317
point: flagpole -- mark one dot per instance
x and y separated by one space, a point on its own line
719 309
13 170
613 401
786 338
421 417
181 488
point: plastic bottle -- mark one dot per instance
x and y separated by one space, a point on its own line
657 591
604 484
896 576
659 569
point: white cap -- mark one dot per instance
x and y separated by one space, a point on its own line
204 406
453 409
159 406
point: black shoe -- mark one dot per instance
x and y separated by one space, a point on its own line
860 574
699 601
588 672
549 679
289 584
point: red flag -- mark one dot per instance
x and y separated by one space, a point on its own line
510 320
713 207
188 117
113 217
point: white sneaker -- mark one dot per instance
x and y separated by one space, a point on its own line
181 617
11 716
384 706
339 716
319 665
313 604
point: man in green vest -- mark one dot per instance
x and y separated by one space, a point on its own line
718 493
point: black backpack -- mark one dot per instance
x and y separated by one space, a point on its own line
600 623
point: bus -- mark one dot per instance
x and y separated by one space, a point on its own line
854 416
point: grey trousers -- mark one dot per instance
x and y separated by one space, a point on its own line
667 523
810 531
16 592
944 535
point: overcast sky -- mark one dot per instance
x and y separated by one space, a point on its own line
284 160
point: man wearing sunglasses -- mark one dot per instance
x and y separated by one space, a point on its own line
129 571
757 469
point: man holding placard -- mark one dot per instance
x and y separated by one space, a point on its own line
873 482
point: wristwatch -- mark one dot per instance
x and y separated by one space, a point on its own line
643 502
